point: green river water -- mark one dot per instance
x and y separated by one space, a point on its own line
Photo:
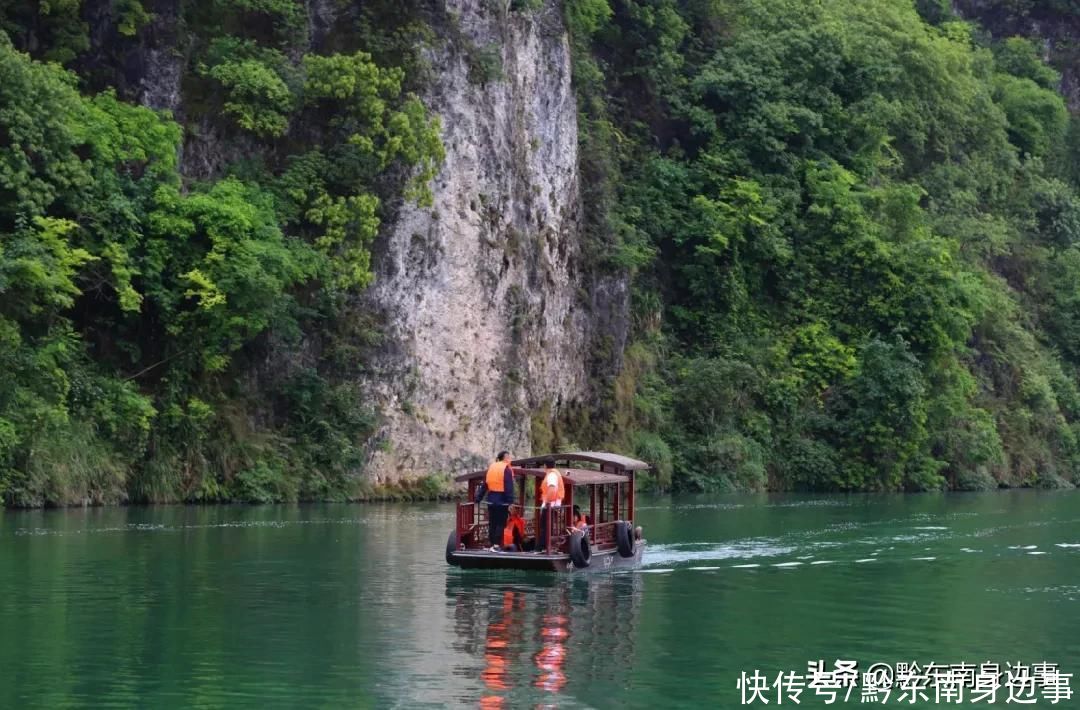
353 605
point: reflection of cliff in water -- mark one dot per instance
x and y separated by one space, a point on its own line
548 637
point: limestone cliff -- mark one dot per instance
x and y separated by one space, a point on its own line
486 308
491 326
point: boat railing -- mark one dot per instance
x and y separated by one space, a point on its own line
467 516
558 522
602 533
472 519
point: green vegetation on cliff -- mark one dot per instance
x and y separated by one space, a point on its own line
853 230
854 234
136 308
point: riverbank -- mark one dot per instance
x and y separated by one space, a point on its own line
441 487
430 488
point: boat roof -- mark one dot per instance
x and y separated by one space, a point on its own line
624 462
576 476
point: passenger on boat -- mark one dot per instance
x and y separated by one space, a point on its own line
580 523
499 489
513 535
551 497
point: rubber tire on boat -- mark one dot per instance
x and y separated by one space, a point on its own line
452 544
624 539
580 554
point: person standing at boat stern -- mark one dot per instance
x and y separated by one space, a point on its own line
552 493
499 483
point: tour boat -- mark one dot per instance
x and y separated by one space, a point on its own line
601 484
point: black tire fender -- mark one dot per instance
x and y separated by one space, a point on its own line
624 539
580 554
452 544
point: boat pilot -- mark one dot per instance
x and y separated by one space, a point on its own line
552 493
499 489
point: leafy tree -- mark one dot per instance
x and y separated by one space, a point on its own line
131 302
841 206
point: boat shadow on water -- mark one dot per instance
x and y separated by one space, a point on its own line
529 638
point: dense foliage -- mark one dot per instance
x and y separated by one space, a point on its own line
136 308
852 229
854 234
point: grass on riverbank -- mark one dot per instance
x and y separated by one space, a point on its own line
431 487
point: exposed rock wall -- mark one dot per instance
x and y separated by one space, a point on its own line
486 311
490 322
1057 29
147 68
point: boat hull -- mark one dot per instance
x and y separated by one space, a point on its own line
600 561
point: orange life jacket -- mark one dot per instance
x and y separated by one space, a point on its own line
508 531
546 494
494 479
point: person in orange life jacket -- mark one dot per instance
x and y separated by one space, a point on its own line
499 489
580 523
551 497
514 533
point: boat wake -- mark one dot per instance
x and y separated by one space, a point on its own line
668 555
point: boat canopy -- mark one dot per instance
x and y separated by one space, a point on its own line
601 457
576 476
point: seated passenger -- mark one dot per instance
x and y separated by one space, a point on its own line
580 521
514 532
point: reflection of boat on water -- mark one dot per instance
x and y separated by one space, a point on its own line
601 483
497 650
552 657
533 641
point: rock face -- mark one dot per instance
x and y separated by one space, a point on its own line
1057 27
160 72
146 68
487 316
490 323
